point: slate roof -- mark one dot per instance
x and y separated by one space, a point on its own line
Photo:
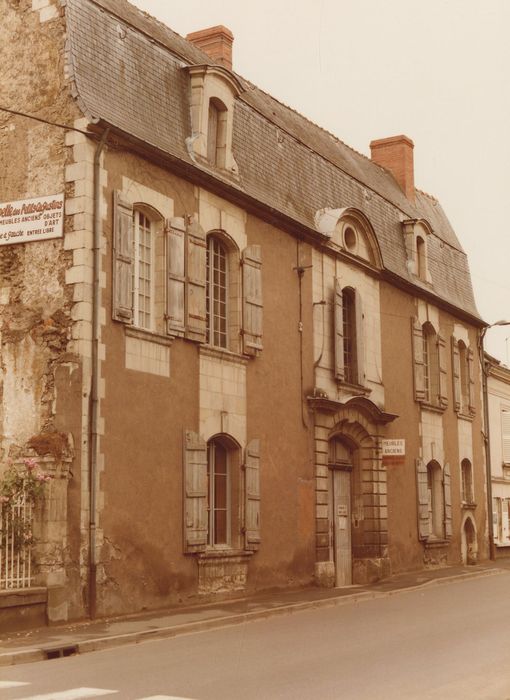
127 71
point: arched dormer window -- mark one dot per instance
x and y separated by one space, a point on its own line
217 133
421 261
214 91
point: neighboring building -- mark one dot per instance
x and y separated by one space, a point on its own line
240 314
498 399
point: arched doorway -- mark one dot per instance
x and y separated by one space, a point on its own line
469 548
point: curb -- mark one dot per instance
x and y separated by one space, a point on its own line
112 641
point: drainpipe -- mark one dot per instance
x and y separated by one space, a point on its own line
94 389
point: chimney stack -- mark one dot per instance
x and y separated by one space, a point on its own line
216 42
396 155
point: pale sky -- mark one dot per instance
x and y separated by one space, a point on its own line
435 70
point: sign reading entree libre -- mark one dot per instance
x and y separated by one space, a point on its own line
32 219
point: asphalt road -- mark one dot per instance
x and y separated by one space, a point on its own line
443 642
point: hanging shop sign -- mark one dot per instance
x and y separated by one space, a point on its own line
32 219
394 451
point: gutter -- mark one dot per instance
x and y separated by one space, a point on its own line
94 389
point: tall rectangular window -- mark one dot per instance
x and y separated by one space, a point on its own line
216 293
218 493
349 333
142 271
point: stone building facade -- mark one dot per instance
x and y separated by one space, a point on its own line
239 317
498 409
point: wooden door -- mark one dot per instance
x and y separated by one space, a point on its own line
341 517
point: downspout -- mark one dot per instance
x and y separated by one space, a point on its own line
94 389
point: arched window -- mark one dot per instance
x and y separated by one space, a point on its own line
349 333
142 270
217 292
464 377
467 481
222 492
430 364
217 133
421 269
435 500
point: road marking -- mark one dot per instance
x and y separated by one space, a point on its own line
73 694
165 697
11 684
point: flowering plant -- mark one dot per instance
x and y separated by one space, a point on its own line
20 488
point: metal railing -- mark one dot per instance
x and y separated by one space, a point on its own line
15 544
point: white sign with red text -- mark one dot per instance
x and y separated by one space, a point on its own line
32 219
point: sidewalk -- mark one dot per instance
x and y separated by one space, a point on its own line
79 638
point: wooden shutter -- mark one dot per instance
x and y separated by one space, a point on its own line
252 495
447 501
360 337
252 300
338 326
419 375
443 374
176 279
195 493
196 280
423 500
505 433
471 380
122 307
456 373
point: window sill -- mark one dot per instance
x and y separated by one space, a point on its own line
357 389
435 543
468 506
432 407
224 554
465 416
223 354
134 332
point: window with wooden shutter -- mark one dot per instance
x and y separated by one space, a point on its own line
338 325
196 282
456 374
447 501
424 529
443 376
122 260
471 381
252 495
195 493
175 232
360 337
418 364
252 300
505 433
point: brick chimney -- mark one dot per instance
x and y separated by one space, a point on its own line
396 155
216 42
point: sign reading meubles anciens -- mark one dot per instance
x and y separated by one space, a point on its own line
32 219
